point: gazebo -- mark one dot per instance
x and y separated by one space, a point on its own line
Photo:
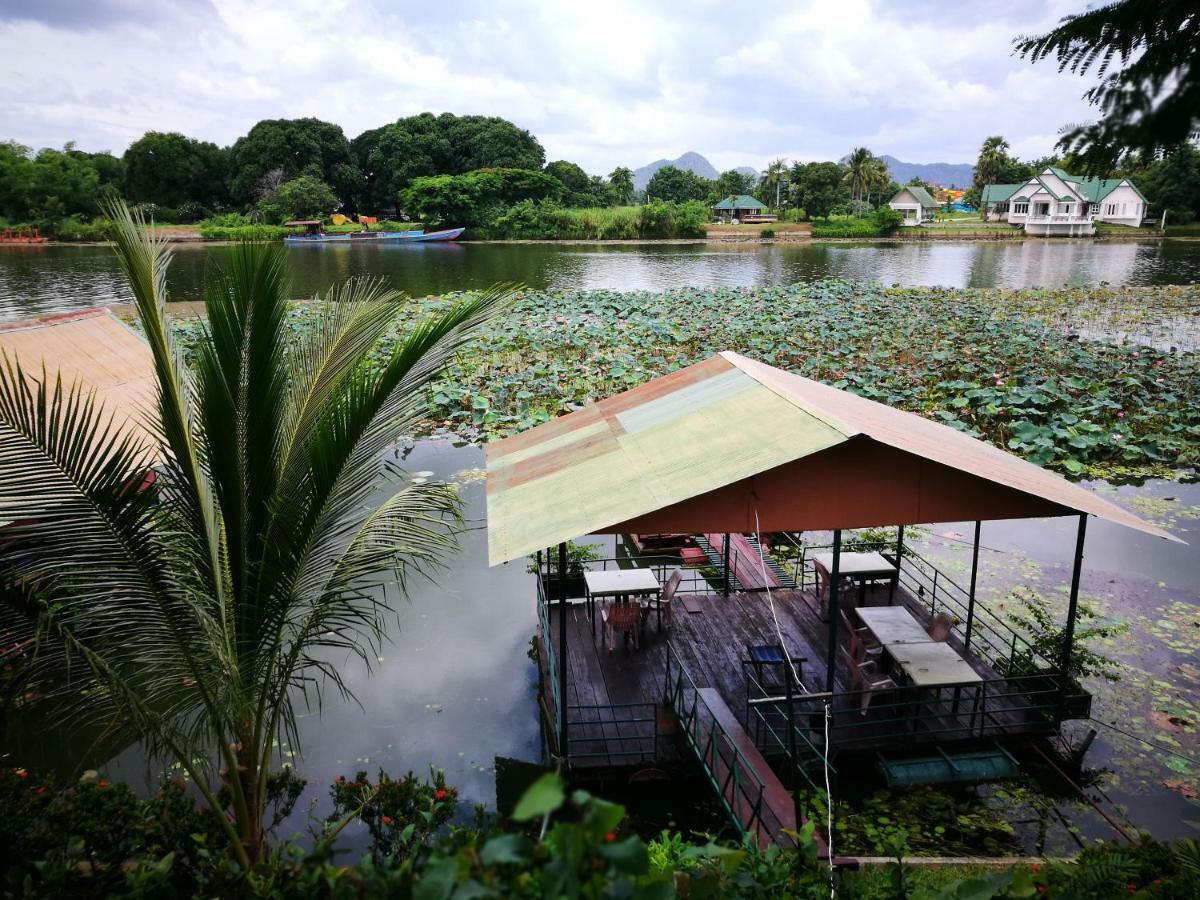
744 208
731 446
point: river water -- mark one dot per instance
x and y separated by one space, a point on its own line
454 687
37 280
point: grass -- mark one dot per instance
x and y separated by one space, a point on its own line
757 229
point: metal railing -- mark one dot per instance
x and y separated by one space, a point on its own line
908 715
739 788
613 721
543 614
777 733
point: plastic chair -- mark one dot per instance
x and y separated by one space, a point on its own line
865 679
869 648
846 585
940 627
668 595
622 618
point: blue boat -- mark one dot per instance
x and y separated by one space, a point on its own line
314 235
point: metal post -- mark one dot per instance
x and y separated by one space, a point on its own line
831 664
971 595
562 650
1069 638
791 726
725 588
899 546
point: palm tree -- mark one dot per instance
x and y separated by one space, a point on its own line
775 177
878 177
195 614
621 179
858 171
993 159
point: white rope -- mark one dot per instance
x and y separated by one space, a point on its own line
829 805
762 562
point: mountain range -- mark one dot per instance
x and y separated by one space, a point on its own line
941 174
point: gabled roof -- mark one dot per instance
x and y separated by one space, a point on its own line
998 193
1094 190
730 444
96 349
919 194
741 201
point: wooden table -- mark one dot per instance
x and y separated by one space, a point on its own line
893 625
933 664
861 567
621 583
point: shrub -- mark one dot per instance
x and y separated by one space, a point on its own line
767 233
305 197
853 228
73 229
887 219
243 232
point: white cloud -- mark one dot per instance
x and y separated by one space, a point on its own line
603 84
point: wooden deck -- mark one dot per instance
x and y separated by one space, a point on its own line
615 698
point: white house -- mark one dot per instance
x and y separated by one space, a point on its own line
914 204
1054 202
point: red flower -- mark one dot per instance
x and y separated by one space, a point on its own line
387 820
609 837
1131 888
439 795
1041 888
1036 867
39 790
20 773
102 784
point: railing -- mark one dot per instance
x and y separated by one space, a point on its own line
739 788
543 614
768 722
613 721
1060 219
970 710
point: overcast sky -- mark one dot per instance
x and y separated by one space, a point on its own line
602 84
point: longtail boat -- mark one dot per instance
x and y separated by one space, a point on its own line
21 236
314 235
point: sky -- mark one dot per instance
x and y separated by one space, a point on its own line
599 83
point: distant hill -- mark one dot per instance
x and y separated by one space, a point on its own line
941 174
689 162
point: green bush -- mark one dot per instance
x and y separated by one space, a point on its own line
243 232
887 219
767 233
847 228
73 229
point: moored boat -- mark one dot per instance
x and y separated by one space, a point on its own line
314 235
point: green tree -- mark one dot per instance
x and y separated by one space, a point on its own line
731 184
1147 56
676 185
859 172
818 187
579 188
16 179
774 180
620 180
170 169
476 198
195 613
301 198
1172 183
62 184
294 147
994 159
417 146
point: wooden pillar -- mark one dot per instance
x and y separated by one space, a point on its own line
562 650
971 593
1072 610
832 607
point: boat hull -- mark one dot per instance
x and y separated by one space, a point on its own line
371 237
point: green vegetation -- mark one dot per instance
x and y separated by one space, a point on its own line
191 611
94 838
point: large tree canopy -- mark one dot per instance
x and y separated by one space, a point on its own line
1147 54
294 147
170 169
818 187
393 156
476 198
677 185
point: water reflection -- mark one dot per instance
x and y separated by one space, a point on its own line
35 280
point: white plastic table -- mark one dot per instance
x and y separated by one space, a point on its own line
862 567
621 583
893 625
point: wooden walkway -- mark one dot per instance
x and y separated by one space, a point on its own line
619 719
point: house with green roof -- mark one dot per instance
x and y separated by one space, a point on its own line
915 205
1055 202
742 208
